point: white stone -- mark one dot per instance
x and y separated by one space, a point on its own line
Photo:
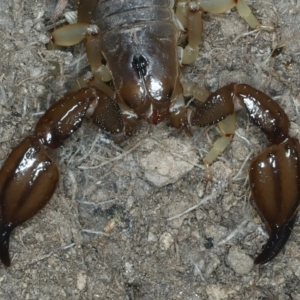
81 280
165 163
166 240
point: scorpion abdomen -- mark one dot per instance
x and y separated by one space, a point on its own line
114 14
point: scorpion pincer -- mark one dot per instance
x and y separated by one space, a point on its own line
138 41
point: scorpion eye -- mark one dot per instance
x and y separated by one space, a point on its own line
139 65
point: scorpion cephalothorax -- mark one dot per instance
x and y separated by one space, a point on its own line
138 39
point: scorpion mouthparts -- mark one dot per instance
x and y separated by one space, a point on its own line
277 240
5 231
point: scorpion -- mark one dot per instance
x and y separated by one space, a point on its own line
135 74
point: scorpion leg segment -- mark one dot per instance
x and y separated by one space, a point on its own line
72 34
192 90
194 33
227 128
65 116
181 12
114 117
275 173
217 7
88 81
189 15
93 50
28 180
264 112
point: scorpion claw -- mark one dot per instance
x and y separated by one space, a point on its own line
277 240
28 179
275 181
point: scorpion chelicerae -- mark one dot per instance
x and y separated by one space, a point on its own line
133 45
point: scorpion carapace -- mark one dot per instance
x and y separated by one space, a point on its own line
141 61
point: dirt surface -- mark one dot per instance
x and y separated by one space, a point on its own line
106 233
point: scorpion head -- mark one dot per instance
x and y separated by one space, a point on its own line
145 74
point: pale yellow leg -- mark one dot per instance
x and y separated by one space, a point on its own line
189 15
227 128
221 6
93 46
195 91
73 34
190 18
91 81
181 12
246 13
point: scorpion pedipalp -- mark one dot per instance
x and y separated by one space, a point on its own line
275 173
29 176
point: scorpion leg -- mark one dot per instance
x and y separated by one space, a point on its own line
193 23
221 6
87 80
275 173
72 34
226 126
189 15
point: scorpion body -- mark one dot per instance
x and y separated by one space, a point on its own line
138 42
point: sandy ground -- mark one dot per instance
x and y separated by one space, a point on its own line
105 234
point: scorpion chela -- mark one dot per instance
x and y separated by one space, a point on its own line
132 45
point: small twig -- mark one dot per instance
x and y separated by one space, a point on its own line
112 159
178 155
68 246
91 149
97 204
60 6
95 232
246 34
243 138
199 272
31 78
204 200
242 166
233 233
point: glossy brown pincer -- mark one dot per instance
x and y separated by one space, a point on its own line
28 180
275 185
